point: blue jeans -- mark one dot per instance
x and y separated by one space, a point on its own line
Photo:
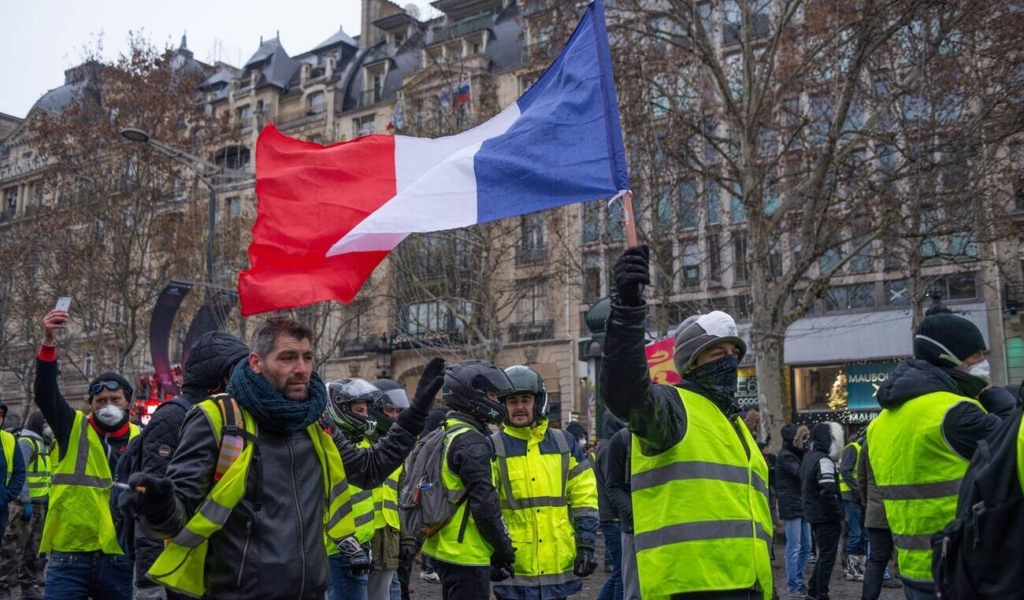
612 589
856 540
798 552
73 576
345 586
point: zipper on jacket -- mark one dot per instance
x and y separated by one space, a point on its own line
298 510
245 551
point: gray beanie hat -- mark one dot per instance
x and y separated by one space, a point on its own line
699 332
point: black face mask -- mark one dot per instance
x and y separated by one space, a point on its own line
968 385
719 379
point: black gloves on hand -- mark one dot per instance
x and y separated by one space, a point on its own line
585 563
502 565
413 418
406 553
156 504
632 272
359 558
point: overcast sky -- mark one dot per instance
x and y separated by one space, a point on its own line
42 38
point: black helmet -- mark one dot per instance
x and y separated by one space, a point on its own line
342 393
393 395
527 381
466 385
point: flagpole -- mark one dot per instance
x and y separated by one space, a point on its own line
630 218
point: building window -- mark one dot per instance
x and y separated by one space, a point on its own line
532 245
689 214
714 259
592 267
592 221
813 386
732 26
896 293
317 103
963 286
242 113
713 207
743 308
739 245
437 316
691 265
364 125
234 207
850 297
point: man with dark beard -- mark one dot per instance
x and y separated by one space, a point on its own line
85 557
689 448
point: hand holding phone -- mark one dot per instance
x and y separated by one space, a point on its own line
63 303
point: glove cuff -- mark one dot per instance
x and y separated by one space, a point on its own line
412 420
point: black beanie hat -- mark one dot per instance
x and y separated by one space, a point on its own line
111 376
940 335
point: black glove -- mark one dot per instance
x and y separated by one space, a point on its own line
585 563
632 272
406 553
502 565
156 504
360 562
413 418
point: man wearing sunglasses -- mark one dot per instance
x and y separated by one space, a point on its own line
85 557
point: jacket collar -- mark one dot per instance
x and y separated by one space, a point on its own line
532 434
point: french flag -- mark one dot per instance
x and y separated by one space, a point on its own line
328 216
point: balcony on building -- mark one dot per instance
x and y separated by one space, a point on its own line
533 331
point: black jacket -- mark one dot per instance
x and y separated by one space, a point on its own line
819 477
609 427
848 472
469 459
965 424
613 469
209 363
787 477
272 545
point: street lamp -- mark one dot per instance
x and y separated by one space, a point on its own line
383 351
213 176
597 321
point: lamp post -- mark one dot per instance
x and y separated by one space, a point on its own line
597 320
383 351
213 177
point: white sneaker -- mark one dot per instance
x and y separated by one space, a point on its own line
430 577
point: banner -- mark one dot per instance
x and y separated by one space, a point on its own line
209 318
659 361
862 382
167 305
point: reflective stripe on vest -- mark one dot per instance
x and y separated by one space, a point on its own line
37 470
8 441
181 565
79 518
843 486
702 504
385 502
536 470
445 545
918 475
362 507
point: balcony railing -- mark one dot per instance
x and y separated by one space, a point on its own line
369 97
317 71
527 332
463 28
313 113
531 255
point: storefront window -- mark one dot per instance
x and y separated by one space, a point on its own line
813 386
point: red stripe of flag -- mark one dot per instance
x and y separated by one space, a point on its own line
309 197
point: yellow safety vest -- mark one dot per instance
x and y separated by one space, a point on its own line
918 475
1020 455
362 507
182 564
385 502
79 518
541 487
459 542
9 443
843 487
700 509
37 470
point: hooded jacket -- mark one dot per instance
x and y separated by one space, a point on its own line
609 427
209 362
787 477
820 476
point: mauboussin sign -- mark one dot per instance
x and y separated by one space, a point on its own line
862 382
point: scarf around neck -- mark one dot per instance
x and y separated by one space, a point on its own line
271 410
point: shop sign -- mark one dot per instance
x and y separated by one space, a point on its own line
863 381
746 388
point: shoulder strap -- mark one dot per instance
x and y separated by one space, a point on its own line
232 435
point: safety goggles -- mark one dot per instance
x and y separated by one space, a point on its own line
99 385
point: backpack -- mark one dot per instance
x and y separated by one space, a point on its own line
424 506
231 443
978 555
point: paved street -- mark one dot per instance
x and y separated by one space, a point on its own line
841 588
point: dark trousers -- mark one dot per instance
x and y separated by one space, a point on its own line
827 535
881 547
73 576
463 583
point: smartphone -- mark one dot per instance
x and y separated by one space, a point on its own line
63 303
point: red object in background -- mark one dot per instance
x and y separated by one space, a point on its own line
660 363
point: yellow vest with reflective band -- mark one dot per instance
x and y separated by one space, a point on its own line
181 565
468 549
37 470
362 507
541 488
79 518
385 502
700 508
843 487
9 443
918 475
